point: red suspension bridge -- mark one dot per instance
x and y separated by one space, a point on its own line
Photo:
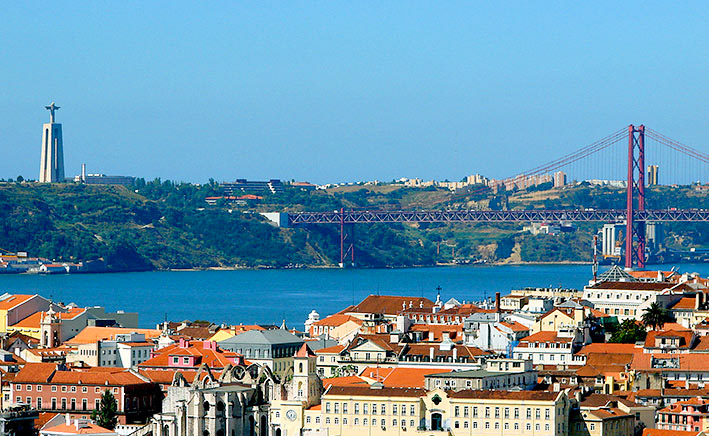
683 165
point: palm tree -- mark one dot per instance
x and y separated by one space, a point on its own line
654 316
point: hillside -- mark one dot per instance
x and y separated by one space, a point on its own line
159 225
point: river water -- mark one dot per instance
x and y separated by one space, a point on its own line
270 296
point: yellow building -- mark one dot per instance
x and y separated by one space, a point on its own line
379 411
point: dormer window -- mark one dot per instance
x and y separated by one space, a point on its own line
176 360
186 360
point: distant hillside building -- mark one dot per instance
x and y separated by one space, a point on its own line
249 186
102 179
653 173
559 179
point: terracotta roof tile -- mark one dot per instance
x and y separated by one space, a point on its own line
358 391
351 380
658 432
335 349
93 334
14 300
336 320
388 304
506 395
399 377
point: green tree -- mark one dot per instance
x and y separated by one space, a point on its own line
107 414
629 332
655 317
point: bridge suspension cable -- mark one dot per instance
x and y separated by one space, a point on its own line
678 146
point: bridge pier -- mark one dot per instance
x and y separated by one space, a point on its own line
346 240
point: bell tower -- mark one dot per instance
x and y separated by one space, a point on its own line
50 329
306 385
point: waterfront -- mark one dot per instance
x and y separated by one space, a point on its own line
269 296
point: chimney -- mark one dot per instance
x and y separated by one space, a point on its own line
83 172
497 302
430 353
67 419
455 354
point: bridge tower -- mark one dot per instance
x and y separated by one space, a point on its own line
346 240
635 229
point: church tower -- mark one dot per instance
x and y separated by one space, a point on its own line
52 164
306 385
50 329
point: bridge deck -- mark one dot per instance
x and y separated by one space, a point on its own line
476 216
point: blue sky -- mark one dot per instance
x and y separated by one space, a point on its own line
344 91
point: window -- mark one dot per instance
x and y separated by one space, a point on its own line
29 401
487 425
507 413
487 412
507 426
175 360
317 420
475 424
403 409
547 413
54 388
327 407
475 412
466 411
593 426
546 427
457 424
497 412
395 409
327 420
344 407
356 408
529 427
337 407
457 412
529 414
516 413
364 421
337 421
365 408
374 421
412 411
29 388
537 413
73 404
63 403
497 426
84 404
393 422
465 424
356 421
383 409
516 426
344 421
84 389
536 427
